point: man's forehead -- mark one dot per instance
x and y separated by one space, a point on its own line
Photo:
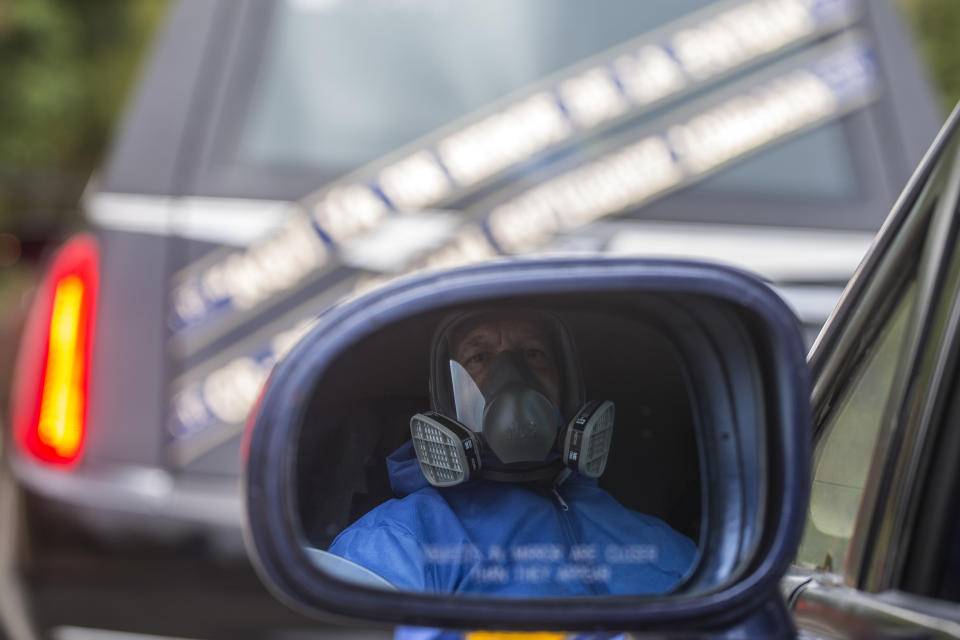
513 328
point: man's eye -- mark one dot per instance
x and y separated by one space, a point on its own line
535 355
477 358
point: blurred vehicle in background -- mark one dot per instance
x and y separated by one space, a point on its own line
281 156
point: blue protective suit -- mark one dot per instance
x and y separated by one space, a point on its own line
512 539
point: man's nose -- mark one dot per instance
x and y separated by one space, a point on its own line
511 362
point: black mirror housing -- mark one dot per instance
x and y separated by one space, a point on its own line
739 354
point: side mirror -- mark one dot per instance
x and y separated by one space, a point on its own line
691 525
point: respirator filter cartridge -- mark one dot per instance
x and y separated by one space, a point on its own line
448 452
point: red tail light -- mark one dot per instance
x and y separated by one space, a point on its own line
53 366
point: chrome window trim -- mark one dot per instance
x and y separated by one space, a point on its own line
228 221
908 238
893 483
853 613
831 345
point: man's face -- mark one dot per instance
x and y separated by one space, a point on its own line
482 344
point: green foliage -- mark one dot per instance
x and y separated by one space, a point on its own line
936 24
65 69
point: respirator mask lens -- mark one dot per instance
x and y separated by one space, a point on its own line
447 451
586 446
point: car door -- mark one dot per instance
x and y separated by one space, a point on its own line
880 548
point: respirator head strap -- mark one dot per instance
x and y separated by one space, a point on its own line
448 452
545 473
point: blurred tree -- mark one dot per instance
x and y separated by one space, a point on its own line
935 24
65 68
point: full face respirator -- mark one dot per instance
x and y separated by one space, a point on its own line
509 427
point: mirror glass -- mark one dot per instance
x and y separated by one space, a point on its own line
532 493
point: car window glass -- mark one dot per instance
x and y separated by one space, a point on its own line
342 84
844 452
815 164
345 82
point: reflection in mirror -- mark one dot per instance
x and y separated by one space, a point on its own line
554 453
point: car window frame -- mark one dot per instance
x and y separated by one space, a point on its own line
936 523
918 396
913 236
868 385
